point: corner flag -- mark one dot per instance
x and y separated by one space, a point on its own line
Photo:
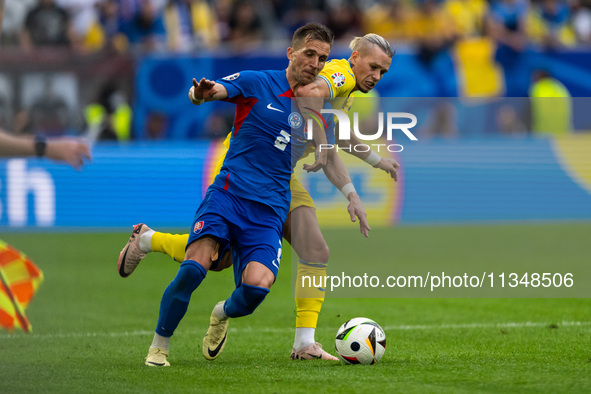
19 279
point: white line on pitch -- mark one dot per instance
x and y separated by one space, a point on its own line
420 327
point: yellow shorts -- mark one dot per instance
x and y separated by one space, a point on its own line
299 195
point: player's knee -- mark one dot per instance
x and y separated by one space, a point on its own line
245 300
320 253
257 274
265 281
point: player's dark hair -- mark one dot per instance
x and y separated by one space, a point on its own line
312 31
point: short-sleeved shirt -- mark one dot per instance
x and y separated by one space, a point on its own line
258 166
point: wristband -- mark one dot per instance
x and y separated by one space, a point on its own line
40 145
373 159
347 189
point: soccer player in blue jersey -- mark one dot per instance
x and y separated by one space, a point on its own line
248 202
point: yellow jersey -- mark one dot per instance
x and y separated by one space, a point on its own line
339 77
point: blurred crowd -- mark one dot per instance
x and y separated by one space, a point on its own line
241 25
52 102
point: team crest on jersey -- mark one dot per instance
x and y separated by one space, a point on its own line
198 227
231 77
338 79
295 120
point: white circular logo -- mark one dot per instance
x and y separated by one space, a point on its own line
338 79
295 120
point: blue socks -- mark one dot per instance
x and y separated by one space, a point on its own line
244 300
177 295
175 301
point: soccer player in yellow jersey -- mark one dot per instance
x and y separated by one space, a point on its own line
370 59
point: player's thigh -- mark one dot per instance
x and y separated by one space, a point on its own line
287 228
299 198
306 238
202 251
225 261
299 195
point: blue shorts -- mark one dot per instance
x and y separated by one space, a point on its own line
253 230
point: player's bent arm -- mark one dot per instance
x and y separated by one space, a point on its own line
372 158
309 97
337 174
318 88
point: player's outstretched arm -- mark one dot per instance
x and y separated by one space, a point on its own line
67 150
206 90
386 164
337 174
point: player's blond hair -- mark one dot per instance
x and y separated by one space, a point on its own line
363 44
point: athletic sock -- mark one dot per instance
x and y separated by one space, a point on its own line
175 300
145 241
172 245
304 336
160 341
309 293
219 310
244 300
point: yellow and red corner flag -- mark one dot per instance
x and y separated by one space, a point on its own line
19 279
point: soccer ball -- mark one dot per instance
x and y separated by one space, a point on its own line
360 341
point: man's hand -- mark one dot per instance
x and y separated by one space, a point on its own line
390 166
68 150
321 156
202 90
356 210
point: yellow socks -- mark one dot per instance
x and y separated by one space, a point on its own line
309 292
170 244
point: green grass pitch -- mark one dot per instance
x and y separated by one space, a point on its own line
92 329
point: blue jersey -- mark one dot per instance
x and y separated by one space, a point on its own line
301 146
258 163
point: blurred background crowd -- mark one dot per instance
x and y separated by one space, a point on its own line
72 65
241 25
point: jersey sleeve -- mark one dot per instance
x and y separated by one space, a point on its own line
242 83
339 78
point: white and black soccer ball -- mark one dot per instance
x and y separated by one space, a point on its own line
360 341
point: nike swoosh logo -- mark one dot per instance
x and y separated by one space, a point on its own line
214 352
274 109
321 289
121 269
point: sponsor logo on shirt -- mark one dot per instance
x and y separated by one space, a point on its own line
198 227
231 77
295 120
338 79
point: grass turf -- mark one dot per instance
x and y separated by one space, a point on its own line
92 328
